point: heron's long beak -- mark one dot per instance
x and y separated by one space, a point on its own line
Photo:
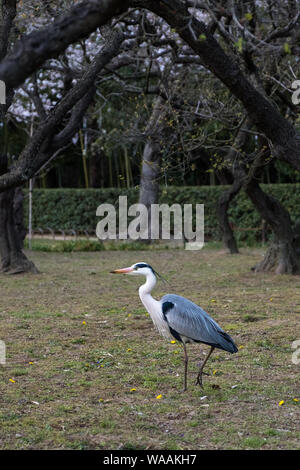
122 271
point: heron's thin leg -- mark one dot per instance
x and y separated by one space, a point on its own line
186 360
199 376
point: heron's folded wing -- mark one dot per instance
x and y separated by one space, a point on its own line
190 320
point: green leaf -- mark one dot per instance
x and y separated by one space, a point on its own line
239 45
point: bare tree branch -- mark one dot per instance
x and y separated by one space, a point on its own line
34 156
32 51
281 134
8 15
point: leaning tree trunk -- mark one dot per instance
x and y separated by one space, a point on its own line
283 254
19 215
13 260
150 171
224 201
234 157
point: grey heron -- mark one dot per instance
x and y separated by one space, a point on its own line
177 317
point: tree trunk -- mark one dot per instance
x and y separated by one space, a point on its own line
149 182
234 157
18 214
13 260
222 214
149 185
282 255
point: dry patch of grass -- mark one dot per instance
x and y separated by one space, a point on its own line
85 366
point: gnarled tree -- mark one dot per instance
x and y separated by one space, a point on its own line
224 36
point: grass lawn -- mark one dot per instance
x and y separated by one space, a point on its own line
86 369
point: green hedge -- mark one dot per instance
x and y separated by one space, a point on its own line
67 209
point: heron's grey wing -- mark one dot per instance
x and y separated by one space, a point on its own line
188 319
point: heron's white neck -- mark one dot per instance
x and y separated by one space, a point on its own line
153 306
145 293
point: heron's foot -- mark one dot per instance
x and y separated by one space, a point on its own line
199 380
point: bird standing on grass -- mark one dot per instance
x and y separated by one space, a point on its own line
179 318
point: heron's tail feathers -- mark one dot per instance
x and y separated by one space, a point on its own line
227 343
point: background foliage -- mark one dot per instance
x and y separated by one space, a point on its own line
75 209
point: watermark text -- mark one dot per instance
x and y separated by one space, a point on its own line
2 353
159 222
2 92
296 353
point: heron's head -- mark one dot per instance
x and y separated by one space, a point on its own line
136 269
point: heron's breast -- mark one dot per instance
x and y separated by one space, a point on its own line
161 324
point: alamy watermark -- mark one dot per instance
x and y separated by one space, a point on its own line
296 93
2 92
154 224
2 353
296 353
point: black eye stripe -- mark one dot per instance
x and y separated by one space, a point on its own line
142 265
145 265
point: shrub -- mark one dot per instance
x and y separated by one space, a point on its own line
75 209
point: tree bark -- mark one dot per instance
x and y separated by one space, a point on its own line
149 181
8 11
222 214
13 260
282 255
18 215
35 48
234 157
